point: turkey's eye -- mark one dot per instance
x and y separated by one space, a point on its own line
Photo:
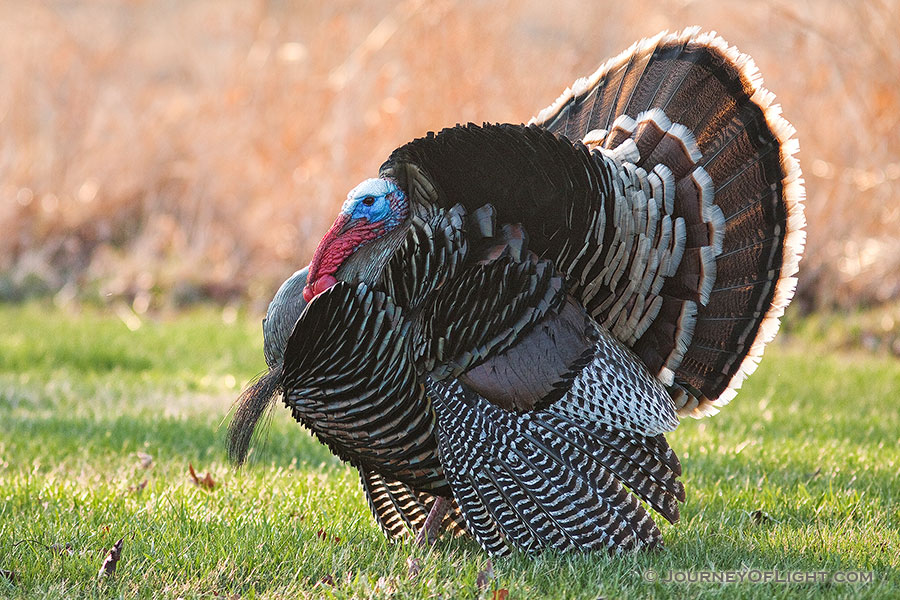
368 201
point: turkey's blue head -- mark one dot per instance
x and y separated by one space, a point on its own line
372 209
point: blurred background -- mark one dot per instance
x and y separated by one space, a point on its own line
155 154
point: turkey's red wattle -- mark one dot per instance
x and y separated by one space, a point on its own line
344 237
319 285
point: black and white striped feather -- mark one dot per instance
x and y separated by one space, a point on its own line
399 509
522 485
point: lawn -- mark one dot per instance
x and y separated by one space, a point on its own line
100 424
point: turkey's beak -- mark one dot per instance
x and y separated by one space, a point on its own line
327 258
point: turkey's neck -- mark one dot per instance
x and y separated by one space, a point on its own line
367 262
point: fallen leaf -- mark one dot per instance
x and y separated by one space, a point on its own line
413 566
501 594
146 460
108 568
137 489
10 576
206 482
327 580
323 535
484 577
759 517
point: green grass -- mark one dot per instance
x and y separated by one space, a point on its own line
811 442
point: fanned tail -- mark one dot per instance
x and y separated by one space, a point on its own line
692 110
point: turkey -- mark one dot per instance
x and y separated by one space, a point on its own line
499 330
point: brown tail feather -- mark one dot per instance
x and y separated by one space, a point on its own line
743 145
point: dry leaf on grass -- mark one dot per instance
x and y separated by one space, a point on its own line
501 594
484 576
108 568
61 549
327 580
206 482
137 489
814 475
323 535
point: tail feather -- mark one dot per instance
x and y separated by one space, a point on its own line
715 128
665 73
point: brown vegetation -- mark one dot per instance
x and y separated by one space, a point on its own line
165 151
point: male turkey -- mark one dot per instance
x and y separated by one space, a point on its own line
498 331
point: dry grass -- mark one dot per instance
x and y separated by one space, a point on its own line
158 152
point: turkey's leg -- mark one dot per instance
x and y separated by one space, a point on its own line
432 527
